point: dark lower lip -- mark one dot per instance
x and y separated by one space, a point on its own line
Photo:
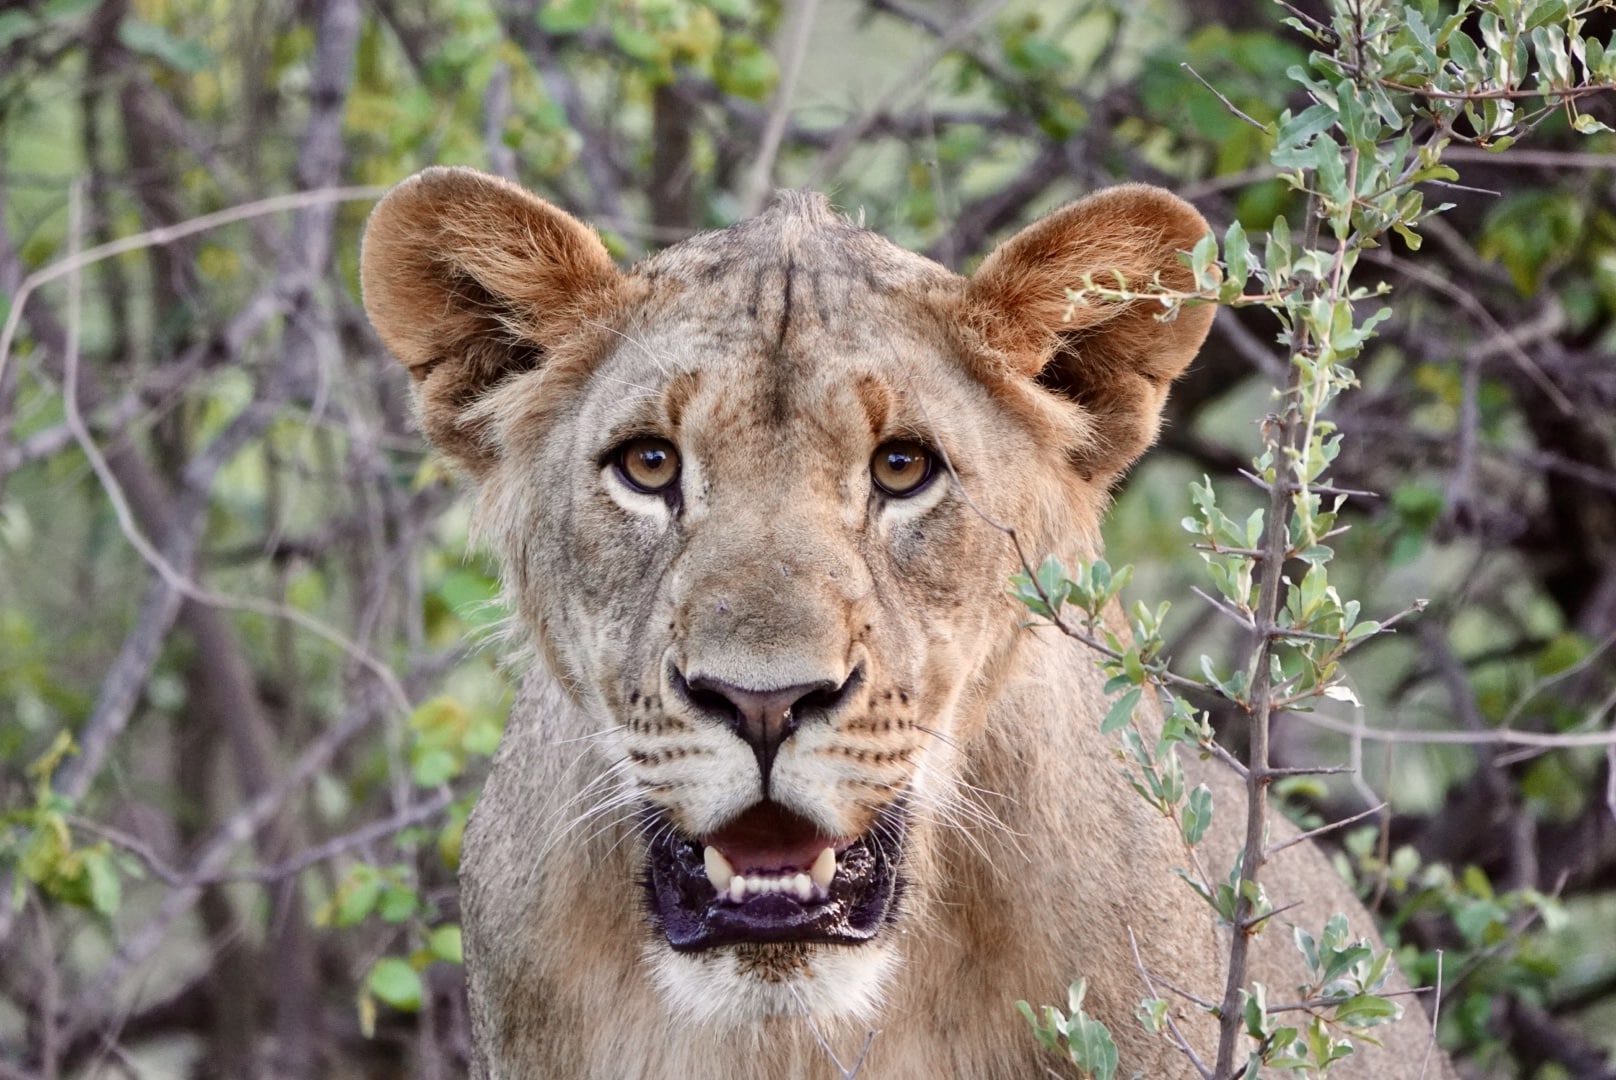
862 897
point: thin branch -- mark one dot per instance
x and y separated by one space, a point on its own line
1227 104
1313 834
1172 1025
341 845
162 236
85 1009
915 75
1436 283
1436 1014
799 24
1532 159
1491 737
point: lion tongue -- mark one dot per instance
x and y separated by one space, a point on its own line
769 838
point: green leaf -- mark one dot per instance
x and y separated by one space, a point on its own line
1196 814
151 40
745 69
62 10
1201 259
394 981
106 893
431 767
1236 257
397 904
1075 995
440 721
446 944
1054 581
357 895
1091 1047
472 596
1255 1011
1121 711
1365 1010
568 16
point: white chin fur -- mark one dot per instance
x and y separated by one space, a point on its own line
708 988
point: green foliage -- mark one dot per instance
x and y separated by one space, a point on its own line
1390 86
36 843
1085 1040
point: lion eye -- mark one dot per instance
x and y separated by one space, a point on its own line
901 468
649 466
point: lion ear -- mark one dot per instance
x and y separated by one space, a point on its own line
469 280
1113 359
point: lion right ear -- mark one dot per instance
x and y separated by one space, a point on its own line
469 280
1110 362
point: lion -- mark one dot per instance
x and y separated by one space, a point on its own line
790 768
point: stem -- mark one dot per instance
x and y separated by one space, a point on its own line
1271 587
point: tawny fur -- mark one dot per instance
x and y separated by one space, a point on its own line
777 356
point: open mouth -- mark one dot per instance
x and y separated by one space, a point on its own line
768 876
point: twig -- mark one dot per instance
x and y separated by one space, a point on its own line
209 863
154 862
163 236
1276 531
1436 1015
1227 104
496 113
376 830
799 23
915 75
50 1048
1490 737
1478 310
847 1072
1172 1025
1530 159
1312 834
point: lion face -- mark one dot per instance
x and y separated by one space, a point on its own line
747 498
759 529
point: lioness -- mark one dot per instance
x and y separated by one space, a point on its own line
791 768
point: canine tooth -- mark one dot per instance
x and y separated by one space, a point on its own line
737 888
804 886
719 871
824 868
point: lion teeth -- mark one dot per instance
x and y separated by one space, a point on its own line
803 887
719 871
737 887
824 869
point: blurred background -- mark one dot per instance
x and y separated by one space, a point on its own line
247 693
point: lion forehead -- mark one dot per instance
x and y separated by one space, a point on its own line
798 264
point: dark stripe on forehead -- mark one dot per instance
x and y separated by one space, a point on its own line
780 374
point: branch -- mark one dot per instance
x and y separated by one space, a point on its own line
163 236
85 1010
847 140
799 22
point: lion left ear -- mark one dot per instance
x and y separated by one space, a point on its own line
470 280
1113 359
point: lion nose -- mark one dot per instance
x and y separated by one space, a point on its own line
764 718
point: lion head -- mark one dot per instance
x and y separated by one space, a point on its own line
751 500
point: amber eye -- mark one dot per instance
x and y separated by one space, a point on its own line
648 465
901 468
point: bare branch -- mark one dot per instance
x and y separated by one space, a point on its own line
799 24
